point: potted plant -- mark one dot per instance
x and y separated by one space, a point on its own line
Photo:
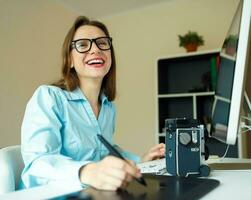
191 41
230 44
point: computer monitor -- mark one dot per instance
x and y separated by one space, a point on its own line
230 88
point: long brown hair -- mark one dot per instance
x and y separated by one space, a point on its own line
69 80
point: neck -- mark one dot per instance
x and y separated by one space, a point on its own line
91 89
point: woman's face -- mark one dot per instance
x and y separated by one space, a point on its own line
95 63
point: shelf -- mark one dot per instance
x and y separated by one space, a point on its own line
189 54
185 87
224 55
174 74
186 94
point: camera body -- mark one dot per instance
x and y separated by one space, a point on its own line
185 148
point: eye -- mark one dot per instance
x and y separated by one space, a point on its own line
82 44
103 42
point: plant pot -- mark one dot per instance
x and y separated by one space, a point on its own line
191 47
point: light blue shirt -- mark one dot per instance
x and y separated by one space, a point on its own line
59 135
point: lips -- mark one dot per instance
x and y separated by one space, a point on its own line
95 62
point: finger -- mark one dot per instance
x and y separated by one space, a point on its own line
157 147
156 154
109 187
120 174
162 144
163 151
117 173
125 184
126 181
134 165
131 169
126 166
128 178
114 161
107 179
158 150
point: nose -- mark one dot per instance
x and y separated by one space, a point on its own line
94 48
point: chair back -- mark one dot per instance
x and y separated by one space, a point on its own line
11 166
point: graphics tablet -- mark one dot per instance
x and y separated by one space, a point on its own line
158 188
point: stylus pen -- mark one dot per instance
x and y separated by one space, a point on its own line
115 153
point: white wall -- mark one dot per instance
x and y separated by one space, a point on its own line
31 37
32 33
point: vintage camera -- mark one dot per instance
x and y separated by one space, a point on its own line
185 148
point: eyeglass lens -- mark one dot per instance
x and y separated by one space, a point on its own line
84 45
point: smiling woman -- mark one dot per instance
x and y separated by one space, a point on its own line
78 47
62 121
91 60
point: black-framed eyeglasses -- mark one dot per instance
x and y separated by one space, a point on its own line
84 45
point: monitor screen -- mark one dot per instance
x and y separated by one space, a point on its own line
233 63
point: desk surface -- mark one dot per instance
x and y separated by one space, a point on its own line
234 184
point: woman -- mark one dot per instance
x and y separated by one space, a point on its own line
62 120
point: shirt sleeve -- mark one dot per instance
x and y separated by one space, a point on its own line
41 142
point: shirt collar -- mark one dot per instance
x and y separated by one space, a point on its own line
77 94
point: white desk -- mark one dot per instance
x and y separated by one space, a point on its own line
41 192
235 185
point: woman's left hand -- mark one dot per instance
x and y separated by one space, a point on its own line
156 152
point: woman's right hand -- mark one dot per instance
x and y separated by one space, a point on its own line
110 173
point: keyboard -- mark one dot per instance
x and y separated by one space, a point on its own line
157 167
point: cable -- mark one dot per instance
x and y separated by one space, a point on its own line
243 125
221 158
246 127
244 131
247 118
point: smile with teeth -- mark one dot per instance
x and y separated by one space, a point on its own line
95 61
